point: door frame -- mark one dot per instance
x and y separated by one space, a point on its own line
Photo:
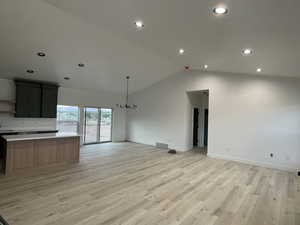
202 107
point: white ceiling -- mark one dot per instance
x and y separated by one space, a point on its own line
101 34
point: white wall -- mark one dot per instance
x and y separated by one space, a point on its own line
250 117
66 96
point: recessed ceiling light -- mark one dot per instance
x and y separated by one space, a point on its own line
139 24
181 51
258 70
81 65
67 78
41 54
220 10
247 51
205 66
30 71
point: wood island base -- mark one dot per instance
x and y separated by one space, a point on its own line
25 155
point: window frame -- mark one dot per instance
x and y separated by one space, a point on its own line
78 119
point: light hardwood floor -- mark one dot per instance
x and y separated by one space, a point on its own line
126 183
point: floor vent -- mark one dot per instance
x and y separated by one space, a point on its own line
162 145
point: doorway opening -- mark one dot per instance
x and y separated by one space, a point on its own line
97 125
199 101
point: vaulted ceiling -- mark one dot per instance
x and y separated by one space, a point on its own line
101 34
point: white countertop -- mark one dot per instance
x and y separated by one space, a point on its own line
23 137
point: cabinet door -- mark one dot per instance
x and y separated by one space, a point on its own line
28 100
49 101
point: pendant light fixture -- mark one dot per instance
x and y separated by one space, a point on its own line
126 105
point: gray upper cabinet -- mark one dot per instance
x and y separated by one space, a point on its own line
49 100
28 99
35 100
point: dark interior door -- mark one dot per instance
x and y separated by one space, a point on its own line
205 127
196 125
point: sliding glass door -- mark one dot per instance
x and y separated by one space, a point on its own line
97 125
105 125
91 125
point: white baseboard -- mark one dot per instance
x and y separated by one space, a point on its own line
256 163
293 169
177 148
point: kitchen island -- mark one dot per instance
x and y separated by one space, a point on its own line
23 153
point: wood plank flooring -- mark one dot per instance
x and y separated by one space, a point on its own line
129 184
